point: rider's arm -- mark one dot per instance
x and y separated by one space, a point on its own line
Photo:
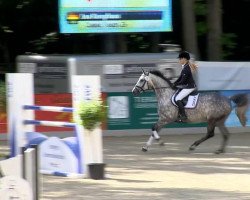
185 73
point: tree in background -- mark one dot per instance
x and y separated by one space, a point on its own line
217 39
211 27
190 42
6 30
214 35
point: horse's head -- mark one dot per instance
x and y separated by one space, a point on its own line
147 81
142 84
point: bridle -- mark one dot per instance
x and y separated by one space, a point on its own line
146 80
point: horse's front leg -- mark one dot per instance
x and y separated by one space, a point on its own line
154 136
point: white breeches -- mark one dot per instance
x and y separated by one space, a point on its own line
183 93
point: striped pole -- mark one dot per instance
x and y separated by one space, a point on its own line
49 123
49 108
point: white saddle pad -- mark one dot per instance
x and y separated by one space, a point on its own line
192 101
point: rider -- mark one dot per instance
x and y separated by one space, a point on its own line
185 82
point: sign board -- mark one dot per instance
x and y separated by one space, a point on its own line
56 156
50 75
98 16
128 74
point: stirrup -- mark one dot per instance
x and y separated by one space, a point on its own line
182 118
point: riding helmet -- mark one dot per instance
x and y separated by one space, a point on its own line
184 54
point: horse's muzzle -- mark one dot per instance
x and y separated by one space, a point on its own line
135 91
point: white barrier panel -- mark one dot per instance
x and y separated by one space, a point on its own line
86 88
20 179
12 166
30 170
56 156
228 76
20 91
13 187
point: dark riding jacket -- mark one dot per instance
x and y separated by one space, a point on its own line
185 79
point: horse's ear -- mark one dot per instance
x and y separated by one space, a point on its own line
143 71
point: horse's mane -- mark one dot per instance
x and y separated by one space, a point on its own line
159 74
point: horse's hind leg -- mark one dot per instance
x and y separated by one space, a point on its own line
225 135
154 136
210 133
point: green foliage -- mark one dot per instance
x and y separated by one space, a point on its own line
41 43
92 113
227 40
200 8
2 96
201 12
228 43
138 43
201 28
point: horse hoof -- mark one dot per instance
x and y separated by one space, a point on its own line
219 151
191 148
144 149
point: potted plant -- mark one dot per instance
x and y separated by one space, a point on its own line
91 115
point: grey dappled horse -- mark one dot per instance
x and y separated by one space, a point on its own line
212 108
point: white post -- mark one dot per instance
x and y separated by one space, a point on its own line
20 91
85 88
31 172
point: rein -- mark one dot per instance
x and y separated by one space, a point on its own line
151 89
159 74
161 88
158 88
147 80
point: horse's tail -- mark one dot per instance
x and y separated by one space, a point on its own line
241 101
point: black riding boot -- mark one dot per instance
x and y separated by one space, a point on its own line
182 114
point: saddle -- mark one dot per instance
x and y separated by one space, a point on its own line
189 101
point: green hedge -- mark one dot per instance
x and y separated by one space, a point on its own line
2 96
